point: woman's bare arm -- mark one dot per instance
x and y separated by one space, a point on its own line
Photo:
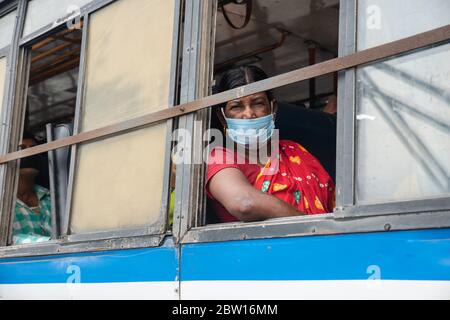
231 188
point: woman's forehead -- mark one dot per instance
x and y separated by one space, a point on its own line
251 97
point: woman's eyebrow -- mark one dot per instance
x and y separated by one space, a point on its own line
258 98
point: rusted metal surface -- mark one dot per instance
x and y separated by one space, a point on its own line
338 64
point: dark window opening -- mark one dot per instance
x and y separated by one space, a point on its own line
279 37
49 115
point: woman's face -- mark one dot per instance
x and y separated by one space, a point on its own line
254 106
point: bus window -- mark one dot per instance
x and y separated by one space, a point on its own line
274 38
51 99
7 28
403 134
383 21
38 14
119 182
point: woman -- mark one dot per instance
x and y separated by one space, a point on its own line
291 183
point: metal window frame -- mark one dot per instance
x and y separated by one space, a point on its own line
347 218
346 108
422 220
197 72
86 9
188 92
347 205
18 121
146 236
315 226
161 225
60 247
7 171
65 217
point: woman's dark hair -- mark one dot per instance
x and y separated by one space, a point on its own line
28 135
241 76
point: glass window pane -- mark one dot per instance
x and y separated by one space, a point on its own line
403 128
383 21
119 181
7 23
43 12
2 82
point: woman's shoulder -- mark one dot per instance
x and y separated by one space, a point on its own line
219 150
291 143
221 155
288 142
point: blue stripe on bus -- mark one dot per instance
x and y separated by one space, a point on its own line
140 265
409 255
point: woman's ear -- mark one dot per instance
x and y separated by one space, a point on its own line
221 117
274 108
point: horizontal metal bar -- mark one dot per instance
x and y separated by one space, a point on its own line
315 225
432 204
118 233
60 248
338 64
34 37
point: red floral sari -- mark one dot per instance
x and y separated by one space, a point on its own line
299 179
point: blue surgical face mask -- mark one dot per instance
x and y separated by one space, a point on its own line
251 132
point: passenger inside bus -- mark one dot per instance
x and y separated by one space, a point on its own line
279 37
291 183
33 212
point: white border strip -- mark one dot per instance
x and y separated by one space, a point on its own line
235 290
94 291
316 290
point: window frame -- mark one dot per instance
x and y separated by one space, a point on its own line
6 170
346 202
86 9
147 236
161 225
187 225
198 35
